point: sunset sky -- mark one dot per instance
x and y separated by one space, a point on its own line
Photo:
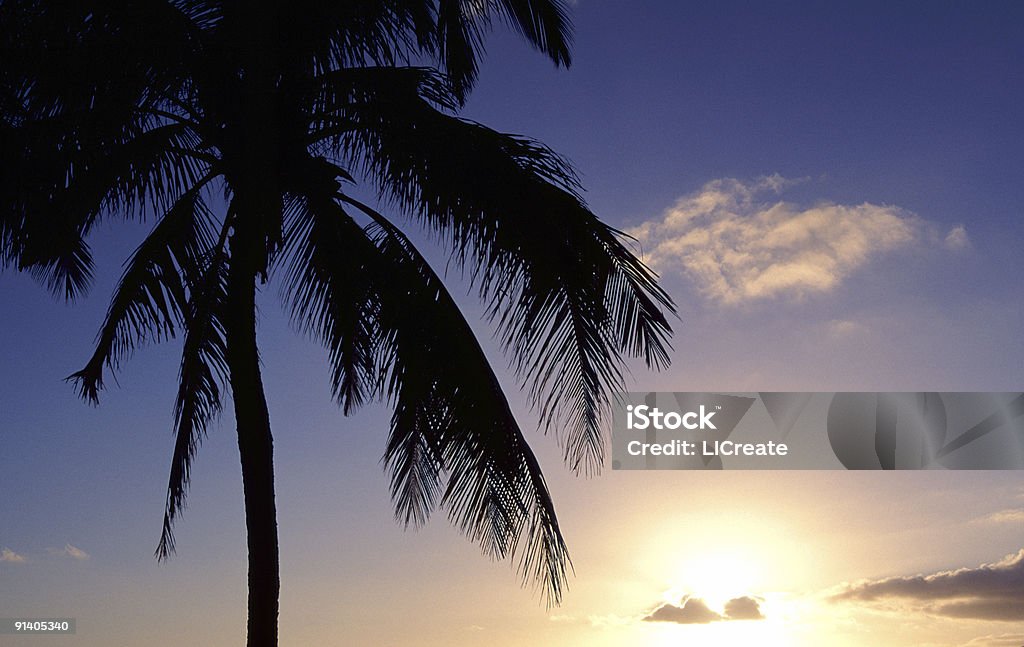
833 195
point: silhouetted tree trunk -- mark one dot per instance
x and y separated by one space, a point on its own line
256 447
253 176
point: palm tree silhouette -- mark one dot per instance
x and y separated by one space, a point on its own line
239 128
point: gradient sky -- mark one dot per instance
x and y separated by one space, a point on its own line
832 193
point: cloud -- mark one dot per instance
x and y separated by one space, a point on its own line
610 620
693 612
1012 515
988 592
1005 609
999 640
842 328
696 611
738 247
70 551
8 555
745 608
957 239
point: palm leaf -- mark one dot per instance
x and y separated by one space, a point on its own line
331 293
150 299
569 298
201 378
452 422
462 25
75 122
56 188
319 36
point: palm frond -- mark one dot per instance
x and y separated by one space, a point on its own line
319 36
454 440
72 57
150 299
544 23
331 297
55 188
570 300
201 378
81 87
462 25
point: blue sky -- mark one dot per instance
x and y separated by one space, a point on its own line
882 129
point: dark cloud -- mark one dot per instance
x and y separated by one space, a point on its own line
695 611
988 592
1004 609
745 608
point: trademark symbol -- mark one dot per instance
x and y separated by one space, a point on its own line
718 406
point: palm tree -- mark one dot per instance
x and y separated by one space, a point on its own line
240 128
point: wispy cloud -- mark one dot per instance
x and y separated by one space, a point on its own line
70 551
997 640
987 592
738 241
610 620
1010 515
696 611
8 555
843 328
957 238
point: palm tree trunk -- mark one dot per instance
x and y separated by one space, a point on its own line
256 448
258 204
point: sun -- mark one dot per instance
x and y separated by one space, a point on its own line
714 557
718 557
715 576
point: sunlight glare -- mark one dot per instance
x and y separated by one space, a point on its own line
715 577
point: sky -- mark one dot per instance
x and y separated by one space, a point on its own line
830 192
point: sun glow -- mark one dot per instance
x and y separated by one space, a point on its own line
715 577
758 561
718 557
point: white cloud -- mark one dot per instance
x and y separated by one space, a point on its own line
70 551
8 555
737 246
957 239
